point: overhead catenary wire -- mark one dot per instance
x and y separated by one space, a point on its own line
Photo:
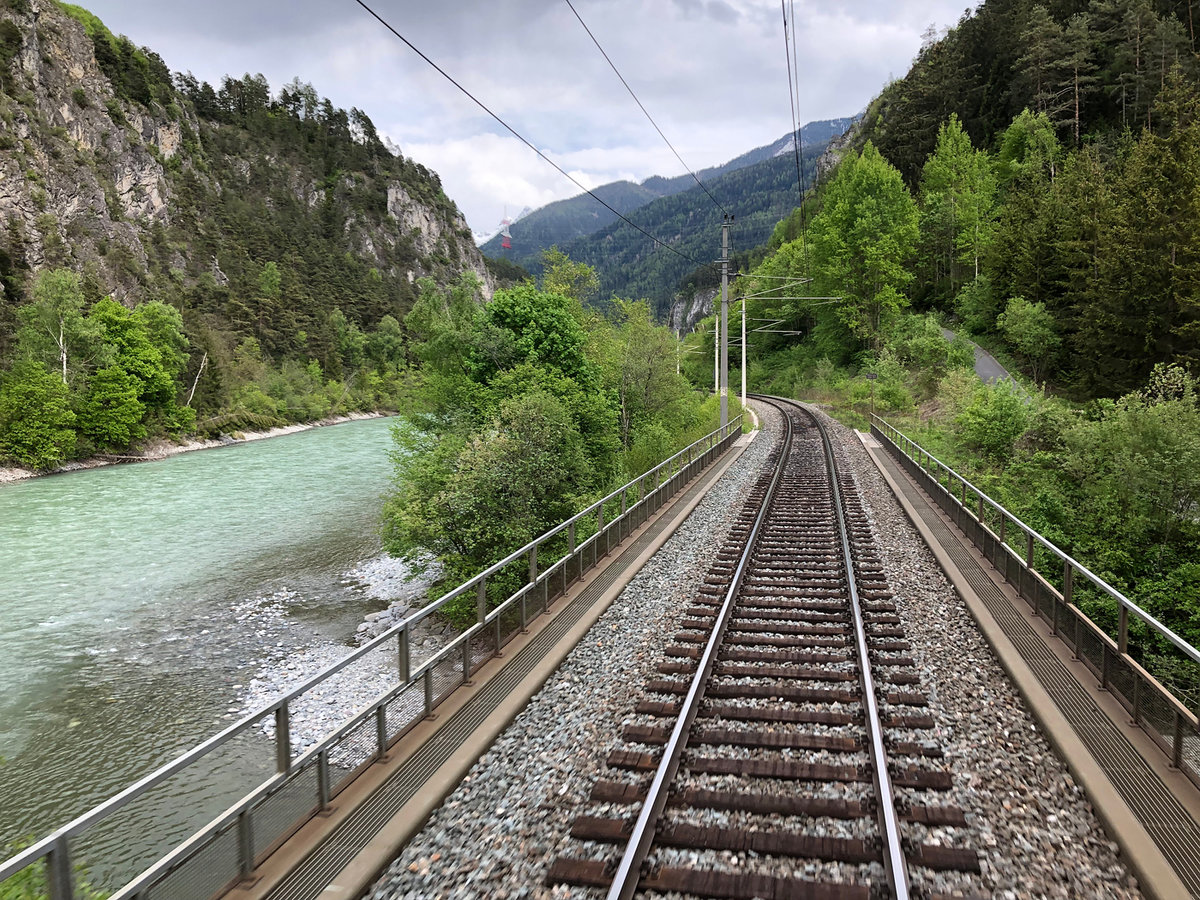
799 143
643 108
793 72
518 135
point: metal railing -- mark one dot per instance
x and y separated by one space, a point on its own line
1013 547
304 782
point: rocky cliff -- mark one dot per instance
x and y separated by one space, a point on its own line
156 187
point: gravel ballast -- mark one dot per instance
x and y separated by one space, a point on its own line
496 835
1033 826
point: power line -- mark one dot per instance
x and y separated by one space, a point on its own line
799 142
517 135
643 109
794 99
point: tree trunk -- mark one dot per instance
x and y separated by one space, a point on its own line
1077 106
196 380
62 347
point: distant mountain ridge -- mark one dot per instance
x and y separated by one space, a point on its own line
566 221
629 264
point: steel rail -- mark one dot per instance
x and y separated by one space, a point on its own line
55 847
628 873
894 859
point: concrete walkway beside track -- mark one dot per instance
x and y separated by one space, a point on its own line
340 853
1149 809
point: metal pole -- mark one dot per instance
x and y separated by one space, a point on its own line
745 349
725 322
716 355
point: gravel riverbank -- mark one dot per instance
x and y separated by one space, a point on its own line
497 833
319 712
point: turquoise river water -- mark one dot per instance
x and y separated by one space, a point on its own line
127 599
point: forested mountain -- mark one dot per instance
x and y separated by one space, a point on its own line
566 221
629 264
1086 204
563 221
1094 67
275 238
1033 181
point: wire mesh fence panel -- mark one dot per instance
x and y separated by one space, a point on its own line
509 621
406 707
1121 681
146 828
354 748
280 813
988 545
1157 714
310 714
447 675
438 637
209 870
1045 599
1091 649
1190 757
1066 626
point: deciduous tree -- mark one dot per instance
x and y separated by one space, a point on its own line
863 240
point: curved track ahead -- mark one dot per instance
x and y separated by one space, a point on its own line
789 760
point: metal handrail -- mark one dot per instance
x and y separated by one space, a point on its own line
1127 604
54 847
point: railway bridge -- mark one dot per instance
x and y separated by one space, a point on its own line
796 662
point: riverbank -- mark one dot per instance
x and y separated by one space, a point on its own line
163 448
382 579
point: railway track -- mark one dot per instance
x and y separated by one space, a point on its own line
786 751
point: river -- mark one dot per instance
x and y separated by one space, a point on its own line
135 602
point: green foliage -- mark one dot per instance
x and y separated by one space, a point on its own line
993 420
53 328
917 343
521 411
32 883
110 413
523 324
862 240
560 275
138 75
36 422
958 196
976 305
1116 489
506 272
1030 330
10 45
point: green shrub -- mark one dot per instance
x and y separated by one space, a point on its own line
993 420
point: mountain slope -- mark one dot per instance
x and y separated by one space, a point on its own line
568 220
280 228
629 264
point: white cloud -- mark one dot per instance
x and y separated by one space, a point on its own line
711 72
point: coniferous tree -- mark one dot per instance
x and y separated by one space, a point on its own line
1079 67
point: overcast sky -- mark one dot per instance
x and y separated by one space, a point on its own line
712 73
